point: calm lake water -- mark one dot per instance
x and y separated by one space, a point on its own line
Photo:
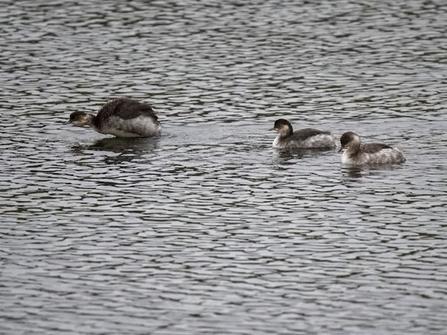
208 229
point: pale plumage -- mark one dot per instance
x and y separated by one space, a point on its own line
307 138
357 153
122 118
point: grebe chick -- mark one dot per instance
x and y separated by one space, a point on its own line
301 139
122 118
357 153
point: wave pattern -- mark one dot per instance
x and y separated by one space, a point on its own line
208 229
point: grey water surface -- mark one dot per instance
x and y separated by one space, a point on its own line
208 229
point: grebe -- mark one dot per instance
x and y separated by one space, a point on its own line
301 139
121 117
357 153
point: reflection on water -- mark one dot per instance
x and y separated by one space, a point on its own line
357 171
126 149
352 171
300 153
208 229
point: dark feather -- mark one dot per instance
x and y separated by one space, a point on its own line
372 148
304 134
126 109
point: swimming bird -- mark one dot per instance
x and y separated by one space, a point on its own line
356 153
307 138
121 117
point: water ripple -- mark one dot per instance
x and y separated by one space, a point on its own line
208 229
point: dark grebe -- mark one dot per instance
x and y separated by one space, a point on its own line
301 139
122 118
357 153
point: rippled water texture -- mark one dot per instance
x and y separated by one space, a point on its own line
208 229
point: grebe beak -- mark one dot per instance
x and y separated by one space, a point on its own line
341 149
272 129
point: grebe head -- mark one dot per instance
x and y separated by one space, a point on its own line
283 127
349 139
81 119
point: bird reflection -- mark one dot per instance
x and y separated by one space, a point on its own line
127 148
299 153
358 171
352 171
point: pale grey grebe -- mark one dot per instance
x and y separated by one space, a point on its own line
301 139
357 153
121 117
